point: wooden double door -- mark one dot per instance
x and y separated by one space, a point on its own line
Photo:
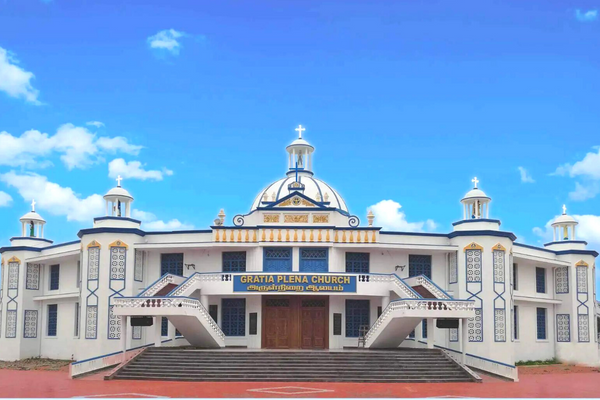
295 322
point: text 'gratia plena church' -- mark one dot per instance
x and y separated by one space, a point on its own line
299 271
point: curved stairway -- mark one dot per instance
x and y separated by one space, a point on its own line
397 365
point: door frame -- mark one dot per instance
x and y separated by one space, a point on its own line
295 319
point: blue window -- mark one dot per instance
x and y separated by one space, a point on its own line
357 315
516 322
278 259
424 329
314 260
171 263
52 319
233 316
164 327
419 265
357 263
234 261
541 324
540 280
412 334
54 276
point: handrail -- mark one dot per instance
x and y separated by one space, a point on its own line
169 302
422 305
428 284
159 284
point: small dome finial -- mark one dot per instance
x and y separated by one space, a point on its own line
33 205
475 182
370 217
300 129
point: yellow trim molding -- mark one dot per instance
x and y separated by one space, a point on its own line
582 263
118 243
93 243
498 247
473 246
14 259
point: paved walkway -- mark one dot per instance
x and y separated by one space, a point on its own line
58 384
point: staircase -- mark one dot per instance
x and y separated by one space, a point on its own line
397 365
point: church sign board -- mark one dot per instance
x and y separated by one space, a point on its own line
327 283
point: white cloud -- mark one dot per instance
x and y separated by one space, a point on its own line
77 146
525 177
14 80
53 198
134 170
388 216
5 199
589 167
167 40
151 223
584 192
586 16
97 124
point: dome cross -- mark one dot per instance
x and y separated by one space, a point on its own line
33 205
300 129
475 181
119 179
564 209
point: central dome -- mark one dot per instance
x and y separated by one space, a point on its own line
314 189
300 179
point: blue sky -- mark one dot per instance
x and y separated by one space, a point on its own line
194 102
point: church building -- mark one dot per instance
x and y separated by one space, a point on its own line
300 271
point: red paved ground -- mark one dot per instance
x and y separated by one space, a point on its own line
58 384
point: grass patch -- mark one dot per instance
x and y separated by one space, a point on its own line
550 361
29 364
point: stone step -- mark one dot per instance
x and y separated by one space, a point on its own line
291 379
297 369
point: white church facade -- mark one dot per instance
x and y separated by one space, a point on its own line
299 271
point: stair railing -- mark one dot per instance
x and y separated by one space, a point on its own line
428 284
159 284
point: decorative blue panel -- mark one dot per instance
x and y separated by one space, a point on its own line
93 263
171 263
475 326
91 322
117 263
164 327
136 333
13 275
357 263
499 266
563 328
30 326
54 277
138 268
234 261
32 279
562 280
541 323
52 319
453 334
11 324
419 265
540 280
424 329
277 259
583 325
582 285
314 260
91 309
116 285
357 315
473 265
453 267
500 325
233 315
114 324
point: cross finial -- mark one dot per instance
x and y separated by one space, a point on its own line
119 179
564 209
300 129
475 181
33 205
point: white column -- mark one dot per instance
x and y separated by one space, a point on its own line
23 229
204 301
464 327
573 237
430 332
385 301
42 228
124 333
156 326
